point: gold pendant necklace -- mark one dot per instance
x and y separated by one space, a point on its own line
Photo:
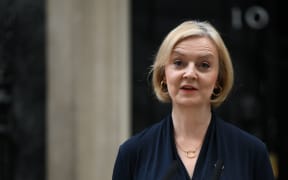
191 153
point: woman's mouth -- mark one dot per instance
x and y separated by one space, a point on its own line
188 88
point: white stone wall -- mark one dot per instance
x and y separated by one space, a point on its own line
88 87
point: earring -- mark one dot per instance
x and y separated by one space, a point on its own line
163 86
217 91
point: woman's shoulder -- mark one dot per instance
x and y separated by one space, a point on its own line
245 147
238 135
145 137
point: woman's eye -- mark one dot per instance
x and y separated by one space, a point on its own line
178 63
204 65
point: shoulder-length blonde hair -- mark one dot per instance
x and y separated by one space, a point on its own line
183 31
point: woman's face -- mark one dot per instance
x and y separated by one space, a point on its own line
192 71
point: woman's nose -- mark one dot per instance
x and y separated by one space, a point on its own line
190 72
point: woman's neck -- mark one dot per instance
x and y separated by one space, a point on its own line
190 123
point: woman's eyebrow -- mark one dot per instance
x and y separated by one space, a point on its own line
208 55
177 53
201 55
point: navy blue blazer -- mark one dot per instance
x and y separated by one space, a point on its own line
152 155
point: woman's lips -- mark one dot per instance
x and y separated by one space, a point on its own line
188 89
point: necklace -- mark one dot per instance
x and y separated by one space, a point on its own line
190 153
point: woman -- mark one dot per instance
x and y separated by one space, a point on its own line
193 71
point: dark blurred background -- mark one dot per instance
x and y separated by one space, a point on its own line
22 90
254 32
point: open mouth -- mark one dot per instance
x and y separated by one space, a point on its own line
188 87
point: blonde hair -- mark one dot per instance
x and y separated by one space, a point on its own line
183 31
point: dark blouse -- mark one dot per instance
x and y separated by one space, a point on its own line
227 153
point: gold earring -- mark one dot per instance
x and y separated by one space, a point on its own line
163 86
217 91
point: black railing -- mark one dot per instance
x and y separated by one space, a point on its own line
6 157
6 121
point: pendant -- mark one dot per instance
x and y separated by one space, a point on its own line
191 154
